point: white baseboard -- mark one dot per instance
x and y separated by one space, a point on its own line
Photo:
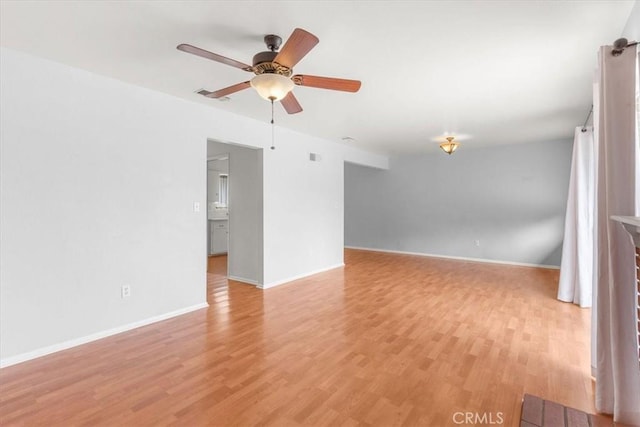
301 276
459 258
243 280
13 360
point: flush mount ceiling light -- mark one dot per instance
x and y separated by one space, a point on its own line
450 146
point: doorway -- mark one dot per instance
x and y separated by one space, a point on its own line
217 224
235 193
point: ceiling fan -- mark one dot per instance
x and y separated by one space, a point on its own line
273 70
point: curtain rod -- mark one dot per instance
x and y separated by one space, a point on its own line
584 126
620 45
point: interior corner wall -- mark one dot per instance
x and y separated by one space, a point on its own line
245 211
509 199
303 203
303 208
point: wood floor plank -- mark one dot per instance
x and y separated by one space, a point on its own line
386 340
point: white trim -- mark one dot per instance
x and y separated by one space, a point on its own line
300 276
460 258
243 280
13 360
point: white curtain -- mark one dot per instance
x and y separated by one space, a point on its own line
576 270
615 136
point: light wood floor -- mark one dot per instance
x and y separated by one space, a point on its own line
387 340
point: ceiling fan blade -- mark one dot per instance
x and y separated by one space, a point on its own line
327 83
296 47
226 91
213 56
291 104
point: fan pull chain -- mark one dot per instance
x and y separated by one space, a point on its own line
273 143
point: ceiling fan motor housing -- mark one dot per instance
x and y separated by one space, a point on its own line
263 63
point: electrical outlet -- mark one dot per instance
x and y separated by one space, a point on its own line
126 291
196 206
477 242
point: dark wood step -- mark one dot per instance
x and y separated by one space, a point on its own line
538 412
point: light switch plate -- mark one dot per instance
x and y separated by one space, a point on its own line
125 291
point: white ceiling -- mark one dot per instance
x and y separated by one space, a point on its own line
497 71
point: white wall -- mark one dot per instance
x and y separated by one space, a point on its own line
632 29
98 180
245 260
510 198
303 209
98 186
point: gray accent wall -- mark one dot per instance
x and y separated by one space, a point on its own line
503 203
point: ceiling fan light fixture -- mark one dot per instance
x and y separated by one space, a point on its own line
272 87
273 69
450 146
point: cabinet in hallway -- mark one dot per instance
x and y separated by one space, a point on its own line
218 236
